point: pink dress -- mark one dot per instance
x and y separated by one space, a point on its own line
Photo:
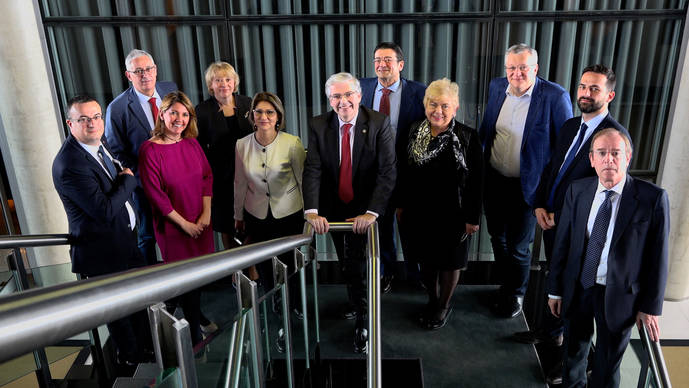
177 176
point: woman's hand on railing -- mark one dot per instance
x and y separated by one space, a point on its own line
651 323
320 224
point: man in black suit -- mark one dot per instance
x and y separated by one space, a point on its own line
610 261
401 100
349 175
96 192
570 162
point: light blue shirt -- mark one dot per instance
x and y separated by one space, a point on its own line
395 98
93 151
505 156
597 201
143 100
591 126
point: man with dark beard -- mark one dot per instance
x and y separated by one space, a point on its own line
568 163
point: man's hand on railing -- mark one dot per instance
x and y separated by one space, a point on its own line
362 222
320 224
651 323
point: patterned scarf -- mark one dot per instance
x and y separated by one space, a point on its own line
423 147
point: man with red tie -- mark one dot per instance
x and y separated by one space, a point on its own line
349 175
129 119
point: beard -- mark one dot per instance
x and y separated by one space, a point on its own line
589 106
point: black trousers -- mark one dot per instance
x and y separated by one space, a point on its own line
351 250
589 306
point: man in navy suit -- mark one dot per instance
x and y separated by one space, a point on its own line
570 162
523 115
402 101
349 175
96 191
129 120
610 261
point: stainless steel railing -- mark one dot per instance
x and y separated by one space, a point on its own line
41 317
653 364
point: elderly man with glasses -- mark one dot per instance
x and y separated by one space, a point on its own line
129 120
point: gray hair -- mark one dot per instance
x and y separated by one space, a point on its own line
342 77
135 54
521 47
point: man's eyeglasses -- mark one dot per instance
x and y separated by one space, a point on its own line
142 71
85 119
385 59
522 68
338 97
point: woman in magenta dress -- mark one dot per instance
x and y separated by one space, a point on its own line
177 180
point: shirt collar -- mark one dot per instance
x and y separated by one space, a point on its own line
527 93
353 122
144 98
595 122
617 188
393 87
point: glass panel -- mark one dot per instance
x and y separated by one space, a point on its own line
172 379
313 7
274 337
87 60
132 7
569 5
643 54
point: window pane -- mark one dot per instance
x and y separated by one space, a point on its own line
316 7
91 59
571 5
132 7
643 54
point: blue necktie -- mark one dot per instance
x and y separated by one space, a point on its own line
109 165
568 160
594 248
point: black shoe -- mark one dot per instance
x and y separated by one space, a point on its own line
386 284
349 313
298 314
537 337
554 375
435 324
510 307
360 340
280 343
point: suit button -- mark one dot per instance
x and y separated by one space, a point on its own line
268 194
264 150
263 164
265 181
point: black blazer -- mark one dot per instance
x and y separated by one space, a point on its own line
638 258
102 241
373 165
580 167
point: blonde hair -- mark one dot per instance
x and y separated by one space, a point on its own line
220 67
441 87
168 101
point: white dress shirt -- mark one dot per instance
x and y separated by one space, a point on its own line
93 151
505 156
268 177
146 106
591 125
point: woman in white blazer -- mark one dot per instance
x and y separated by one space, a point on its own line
267 182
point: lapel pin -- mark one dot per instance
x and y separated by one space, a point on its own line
363 131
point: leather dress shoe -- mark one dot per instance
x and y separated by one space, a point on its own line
537 337
509 307
280 343
360 340
349 313
554 375
386 284
298 314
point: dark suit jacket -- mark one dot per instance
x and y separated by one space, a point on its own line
580 167
101 237
126 126
373 165
638 258
550 107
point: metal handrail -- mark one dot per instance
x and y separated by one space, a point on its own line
35 240
42 317
655 359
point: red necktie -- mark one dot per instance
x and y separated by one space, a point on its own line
384 106
345 190
154 109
